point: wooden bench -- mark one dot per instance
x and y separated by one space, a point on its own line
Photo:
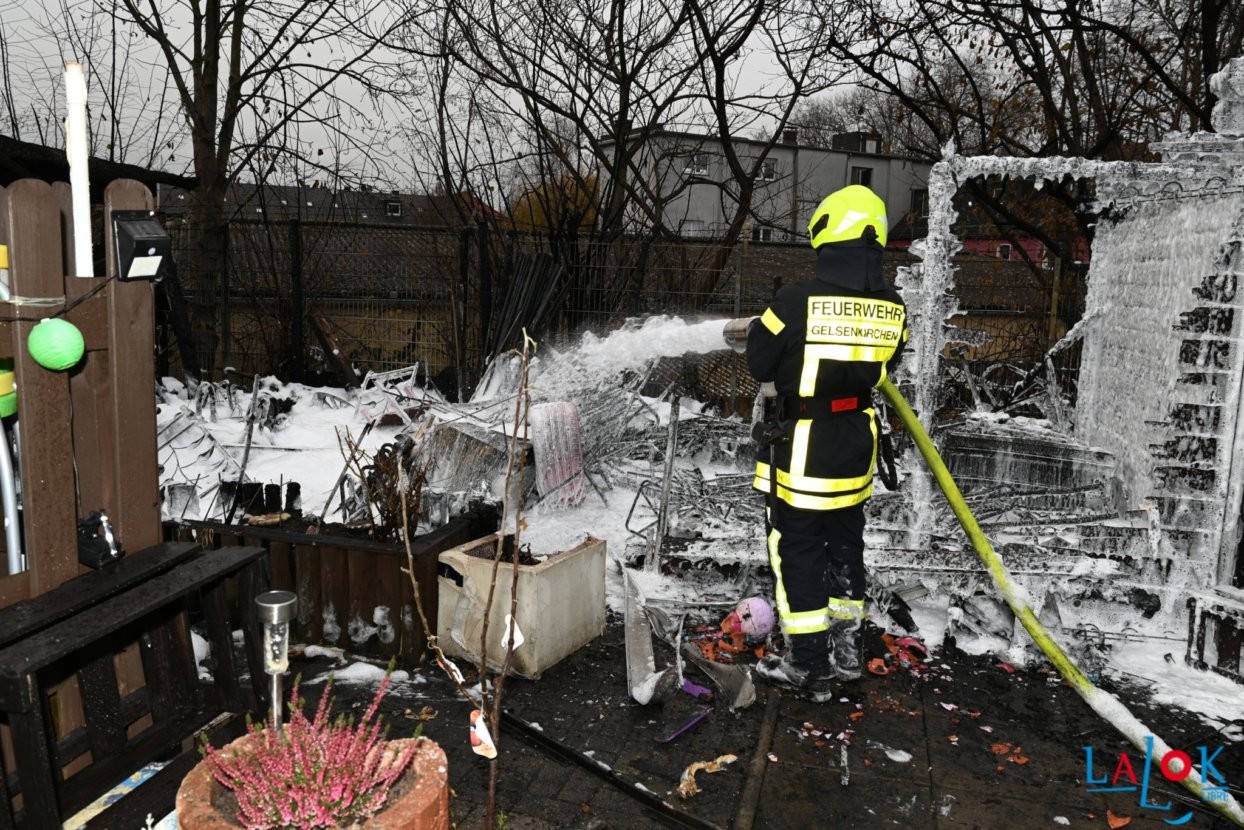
30 615
78 628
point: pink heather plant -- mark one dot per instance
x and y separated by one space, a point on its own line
315 774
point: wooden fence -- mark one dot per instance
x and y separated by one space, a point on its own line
352 593
87 436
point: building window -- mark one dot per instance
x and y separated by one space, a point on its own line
392 207
691 228
768 170
920 202
862 175
697 164
1004 251
760 234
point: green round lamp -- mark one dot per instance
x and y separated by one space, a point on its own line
55 344
8 391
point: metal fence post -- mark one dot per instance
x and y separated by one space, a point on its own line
464 268
225 335
297 347
738 312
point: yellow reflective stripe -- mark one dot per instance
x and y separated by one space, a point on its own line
845 352
793 622
846 609
812 484
798 449
775 562
805 501
807 374
771 321
796 478
804 622
814 353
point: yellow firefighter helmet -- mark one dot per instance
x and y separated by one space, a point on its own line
848 214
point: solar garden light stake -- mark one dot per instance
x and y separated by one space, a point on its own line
276 609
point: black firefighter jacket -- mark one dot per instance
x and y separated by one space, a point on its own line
825 344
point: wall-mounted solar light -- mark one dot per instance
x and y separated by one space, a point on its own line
276 610
143 248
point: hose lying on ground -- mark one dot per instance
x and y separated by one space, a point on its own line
1102 702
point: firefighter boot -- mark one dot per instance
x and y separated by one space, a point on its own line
845 641
785 673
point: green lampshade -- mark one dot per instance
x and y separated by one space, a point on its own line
55 344
8 404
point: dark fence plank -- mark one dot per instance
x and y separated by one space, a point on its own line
32 213
356 576
282 566
131 344
335 593
310 599
360 617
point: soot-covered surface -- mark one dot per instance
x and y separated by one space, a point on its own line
962 743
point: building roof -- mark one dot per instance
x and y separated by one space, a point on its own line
705 138
24 160
320 204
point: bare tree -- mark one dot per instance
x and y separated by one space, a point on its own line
584 97
257 83
1037 78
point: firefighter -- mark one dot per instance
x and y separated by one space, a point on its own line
825 344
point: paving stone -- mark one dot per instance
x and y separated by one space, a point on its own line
582 703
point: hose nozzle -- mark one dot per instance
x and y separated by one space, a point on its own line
735 333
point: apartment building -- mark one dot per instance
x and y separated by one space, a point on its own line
698 193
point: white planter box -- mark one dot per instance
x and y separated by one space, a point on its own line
561 604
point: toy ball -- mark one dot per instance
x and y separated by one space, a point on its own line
753 616
55 344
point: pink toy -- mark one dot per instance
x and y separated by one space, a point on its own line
752 616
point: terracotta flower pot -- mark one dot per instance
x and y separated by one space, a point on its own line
418 801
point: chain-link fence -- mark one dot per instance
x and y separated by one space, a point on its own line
323 301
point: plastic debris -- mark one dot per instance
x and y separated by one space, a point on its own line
752 616
687 786
481 738
1014 754
700 713
425 714
907 652
557 443
511 625
696 690
1114 822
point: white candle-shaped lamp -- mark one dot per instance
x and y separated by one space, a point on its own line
276 610
77 150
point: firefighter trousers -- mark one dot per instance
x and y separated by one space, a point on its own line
818 560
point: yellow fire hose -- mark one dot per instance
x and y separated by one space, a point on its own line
1103 703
